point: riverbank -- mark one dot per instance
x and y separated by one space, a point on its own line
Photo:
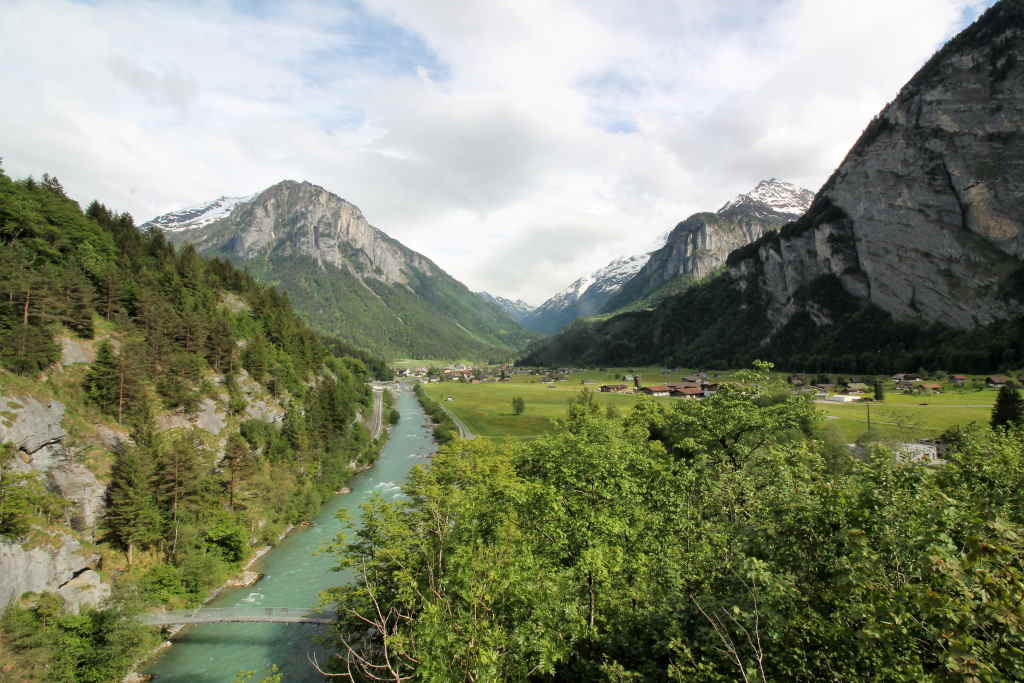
295 572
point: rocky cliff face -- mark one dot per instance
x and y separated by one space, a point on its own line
699 245
35 428
302 219
925 216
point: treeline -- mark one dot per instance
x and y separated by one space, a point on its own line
712 540
715 324
178 333
445 429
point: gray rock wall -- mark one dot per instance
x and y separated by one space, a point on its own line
933 194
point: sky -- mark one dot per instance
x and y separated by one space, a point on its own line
517 143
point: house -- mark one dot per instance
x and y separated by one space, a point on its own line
796 380
613 388
687 392
906 377
931 387
857 388
826 388
959 379
843 398
997 381
660 390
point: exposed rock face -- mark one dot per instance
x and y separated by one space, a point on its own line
350 279
31 426
64 568
699 245
925 216
76 484
76 351
293 218
35 428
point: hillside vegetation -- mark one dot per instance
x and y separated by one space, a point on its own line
212 414
713 540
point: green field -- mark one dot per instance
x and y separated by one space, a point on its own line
486 408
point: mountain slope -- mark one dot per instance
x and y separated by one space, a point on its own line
910 254
587 295
699 245
517 309
350 279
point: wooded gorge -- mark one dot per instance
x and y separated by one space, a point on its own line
174 339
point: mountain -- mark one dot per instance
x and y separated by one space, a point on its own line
348 278
517 309
587 295
699 245
196 216
910 256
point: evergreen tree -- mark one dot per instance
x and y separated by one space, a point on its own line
101 382
518 405
238 460
132 514
879 391
1009 408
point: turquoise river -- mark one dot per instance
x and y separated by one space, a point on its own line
294 574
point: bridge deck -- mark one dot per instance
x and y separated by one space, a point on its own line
220 615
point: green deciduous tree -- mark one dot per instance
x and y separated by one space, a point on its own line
518 405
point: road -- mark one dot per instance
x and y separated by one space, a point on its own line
464 431
378 413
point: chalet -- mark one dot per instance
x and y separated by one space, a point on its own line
826 388
906 377
997 380
857 388
905 385
959 379
614 388
687 392
660 390
931 387
796 380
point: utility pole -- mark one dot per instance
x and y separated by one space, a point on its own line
869 417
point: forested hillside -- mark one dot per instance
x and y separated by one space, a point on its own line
720 539
195 413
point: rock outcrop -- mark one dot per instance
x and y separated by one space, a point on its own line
699 246
63 567
925 216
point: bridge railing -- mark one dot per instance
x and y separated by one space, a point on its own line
212 615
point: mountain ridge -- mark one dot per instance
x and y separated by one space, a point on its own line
352 280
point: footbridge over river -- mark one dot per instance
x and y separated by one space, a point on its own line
221 615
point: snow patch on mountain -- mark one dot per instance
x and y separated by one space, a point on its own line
776 195
518 308
196 216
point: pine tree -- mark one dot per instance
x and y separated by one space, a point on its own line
879 391
518 405
132 513
1009 408
102 381
237 459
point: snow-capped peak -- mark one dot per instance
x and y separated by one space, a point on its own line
775 195
196 216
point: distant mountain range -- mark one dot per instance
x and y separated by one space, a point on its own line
694 249
348 278
911 255
518 309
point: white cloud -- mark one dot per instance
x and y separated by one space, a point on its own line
517 143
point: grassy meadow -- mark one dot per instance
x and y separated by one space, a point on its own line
486 408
